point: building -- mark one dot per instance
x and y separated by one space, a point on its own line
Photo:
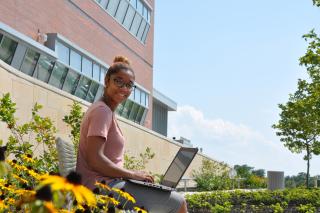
55 52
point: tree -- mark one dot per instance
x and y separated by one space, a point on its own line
243 171
299 124
259 172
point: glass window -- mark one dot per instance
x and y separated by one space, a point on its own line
96 72
83 87
122 9
0 37
149 16
63 53
99 92
135 24
144 36
29 62
102 74
120 108
113 6
147 100
7 49
134 112
87 67
127 109
141 29
133 3
58 75
145 12
92 92
137 94
104 3
140 114
139 7
75 60
71 82
44 68
143 99
129 17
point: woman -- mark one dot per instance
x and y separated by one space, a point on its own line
101 147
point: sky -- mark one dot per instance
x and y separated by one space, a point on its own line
227 65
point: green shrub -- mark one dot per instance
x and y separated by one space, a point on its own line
289 200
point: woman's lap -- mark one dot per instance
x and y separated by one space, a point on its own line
153 200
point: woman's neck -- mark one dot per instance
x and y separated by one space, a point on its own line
109 103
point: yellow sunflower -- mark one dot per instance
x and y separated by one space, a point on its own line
27 158
139 210
50 207
104 186
22 180
124 194
70 183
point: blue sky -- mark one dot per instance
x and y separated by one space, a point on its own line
228 64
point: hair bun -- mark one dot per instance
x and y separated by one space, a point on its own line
121 59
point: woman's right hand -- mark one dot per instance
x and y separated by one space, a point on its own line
141 175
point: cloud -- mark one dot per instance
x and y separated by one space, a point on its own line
235 143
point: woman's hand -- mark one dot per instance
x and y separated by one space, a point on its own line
141 175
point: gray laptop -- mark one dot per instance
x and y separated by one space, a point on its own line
175 171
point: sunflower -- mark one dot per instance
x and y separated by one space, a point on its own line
28 158
106 199
103 186
22 180
71 183
140 210
124 194
50 207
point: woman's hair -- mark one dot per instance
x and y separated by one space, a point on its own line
119 63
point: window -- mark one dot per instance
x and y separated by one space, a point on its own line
103 3
134 3
134 112
127 109
7 49
133 16
58 75
92 91
63 53
44 68
141 29
0 37
71 82
103 72
139 115
135 24
29 62
144 36
75 60
96 72
139 7
129 17
112 7
83 87
122 9
143 98
86 67
137 93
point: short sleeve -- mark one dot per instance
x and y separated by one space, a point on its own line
100 120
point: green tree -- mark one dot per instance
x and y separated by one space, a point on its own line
259 172
299 124
243 171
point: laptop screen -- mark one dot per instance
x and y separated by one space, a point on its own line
178 166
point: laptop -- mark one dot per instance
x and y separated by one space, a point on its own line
175 171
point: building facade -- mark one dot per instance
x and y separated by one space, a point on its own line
54 52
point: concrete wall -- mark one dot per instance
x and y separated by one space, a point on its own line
26 91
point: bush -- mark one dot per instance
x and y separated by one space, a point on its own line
289 200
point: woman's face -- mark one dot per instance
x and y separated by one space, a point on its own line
119 86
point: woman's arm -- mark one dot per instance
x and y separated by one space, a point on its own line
103 165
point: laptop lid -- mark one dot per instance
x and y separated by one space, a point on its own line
178 166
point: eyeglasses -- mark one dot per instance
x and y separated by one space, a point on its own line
120 83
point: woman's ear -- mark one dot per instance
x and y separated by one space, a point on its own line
106 80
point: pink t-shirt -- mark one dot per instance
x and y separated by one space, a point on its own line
99 120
